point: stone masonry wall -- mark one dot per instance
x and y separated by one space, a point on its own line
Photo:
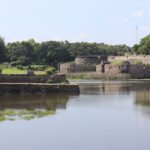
72 67
141 58
115 69
139 71
38 87
136 71
56 78
87 60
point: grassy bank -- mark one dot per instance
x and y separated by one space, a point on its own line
14 70
38 70
98 76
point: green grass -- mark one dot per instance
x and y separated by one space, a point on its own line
117 62
38 69
136 62
12 115
14 71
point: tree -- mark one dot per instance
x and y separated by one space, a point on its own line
21 53
52 52
2 50
143 47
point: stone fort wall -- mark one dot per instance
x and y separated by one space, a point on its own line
144 59
56 78
72 67
136 71
82 64
87 60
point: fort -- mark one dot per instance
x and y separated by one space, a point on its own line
82 64
135 66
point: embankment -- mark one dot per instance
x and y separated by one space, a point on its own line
36 84
38 88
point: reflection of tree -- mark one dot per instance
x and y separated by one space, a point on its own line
29 106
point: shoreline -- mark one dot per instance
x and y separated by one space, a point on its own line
98 76
39 88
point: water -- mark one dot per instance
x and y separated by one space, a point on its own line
105 116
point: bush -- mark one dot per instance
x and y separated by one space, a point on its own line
4 65
20 67
38 67
136 62
0 70
50 81
50 71
117 62
29 67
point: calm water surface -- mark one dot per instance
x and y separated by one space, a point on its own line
105 116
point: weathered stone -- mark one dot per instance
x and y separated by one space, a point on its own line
82 64
38 87
56 78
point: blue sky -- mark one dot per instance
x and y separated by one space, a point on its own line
108 21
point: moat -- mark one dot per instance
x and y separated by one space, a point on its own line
111 115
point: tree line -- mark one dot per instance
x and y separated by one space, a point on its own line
52 52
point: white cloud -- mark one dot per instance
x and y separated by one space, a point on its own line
118 21
145 28
126 19
138 14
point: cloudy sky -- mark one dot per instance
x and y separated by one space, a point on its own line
108 21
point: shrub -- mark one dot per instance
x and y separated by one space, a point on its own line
20 67
117 62
0 70
50 71
29 67
136 62
50 81
38 67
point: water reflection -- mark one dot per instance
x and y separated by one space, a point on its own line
143 98
105 116
113 87
30 106
140 91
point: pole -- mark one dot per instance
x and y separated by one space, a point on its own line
136 35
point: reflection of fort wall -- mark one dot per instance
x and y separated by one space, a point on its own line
143 98
110 88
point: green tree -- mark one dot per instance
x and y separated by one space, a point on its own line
21 53
2 50
52 52
143 47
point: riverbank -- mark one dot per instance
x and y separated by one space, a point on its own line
97 76
39 88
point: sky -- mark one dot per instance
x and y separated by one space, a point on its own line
107 21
